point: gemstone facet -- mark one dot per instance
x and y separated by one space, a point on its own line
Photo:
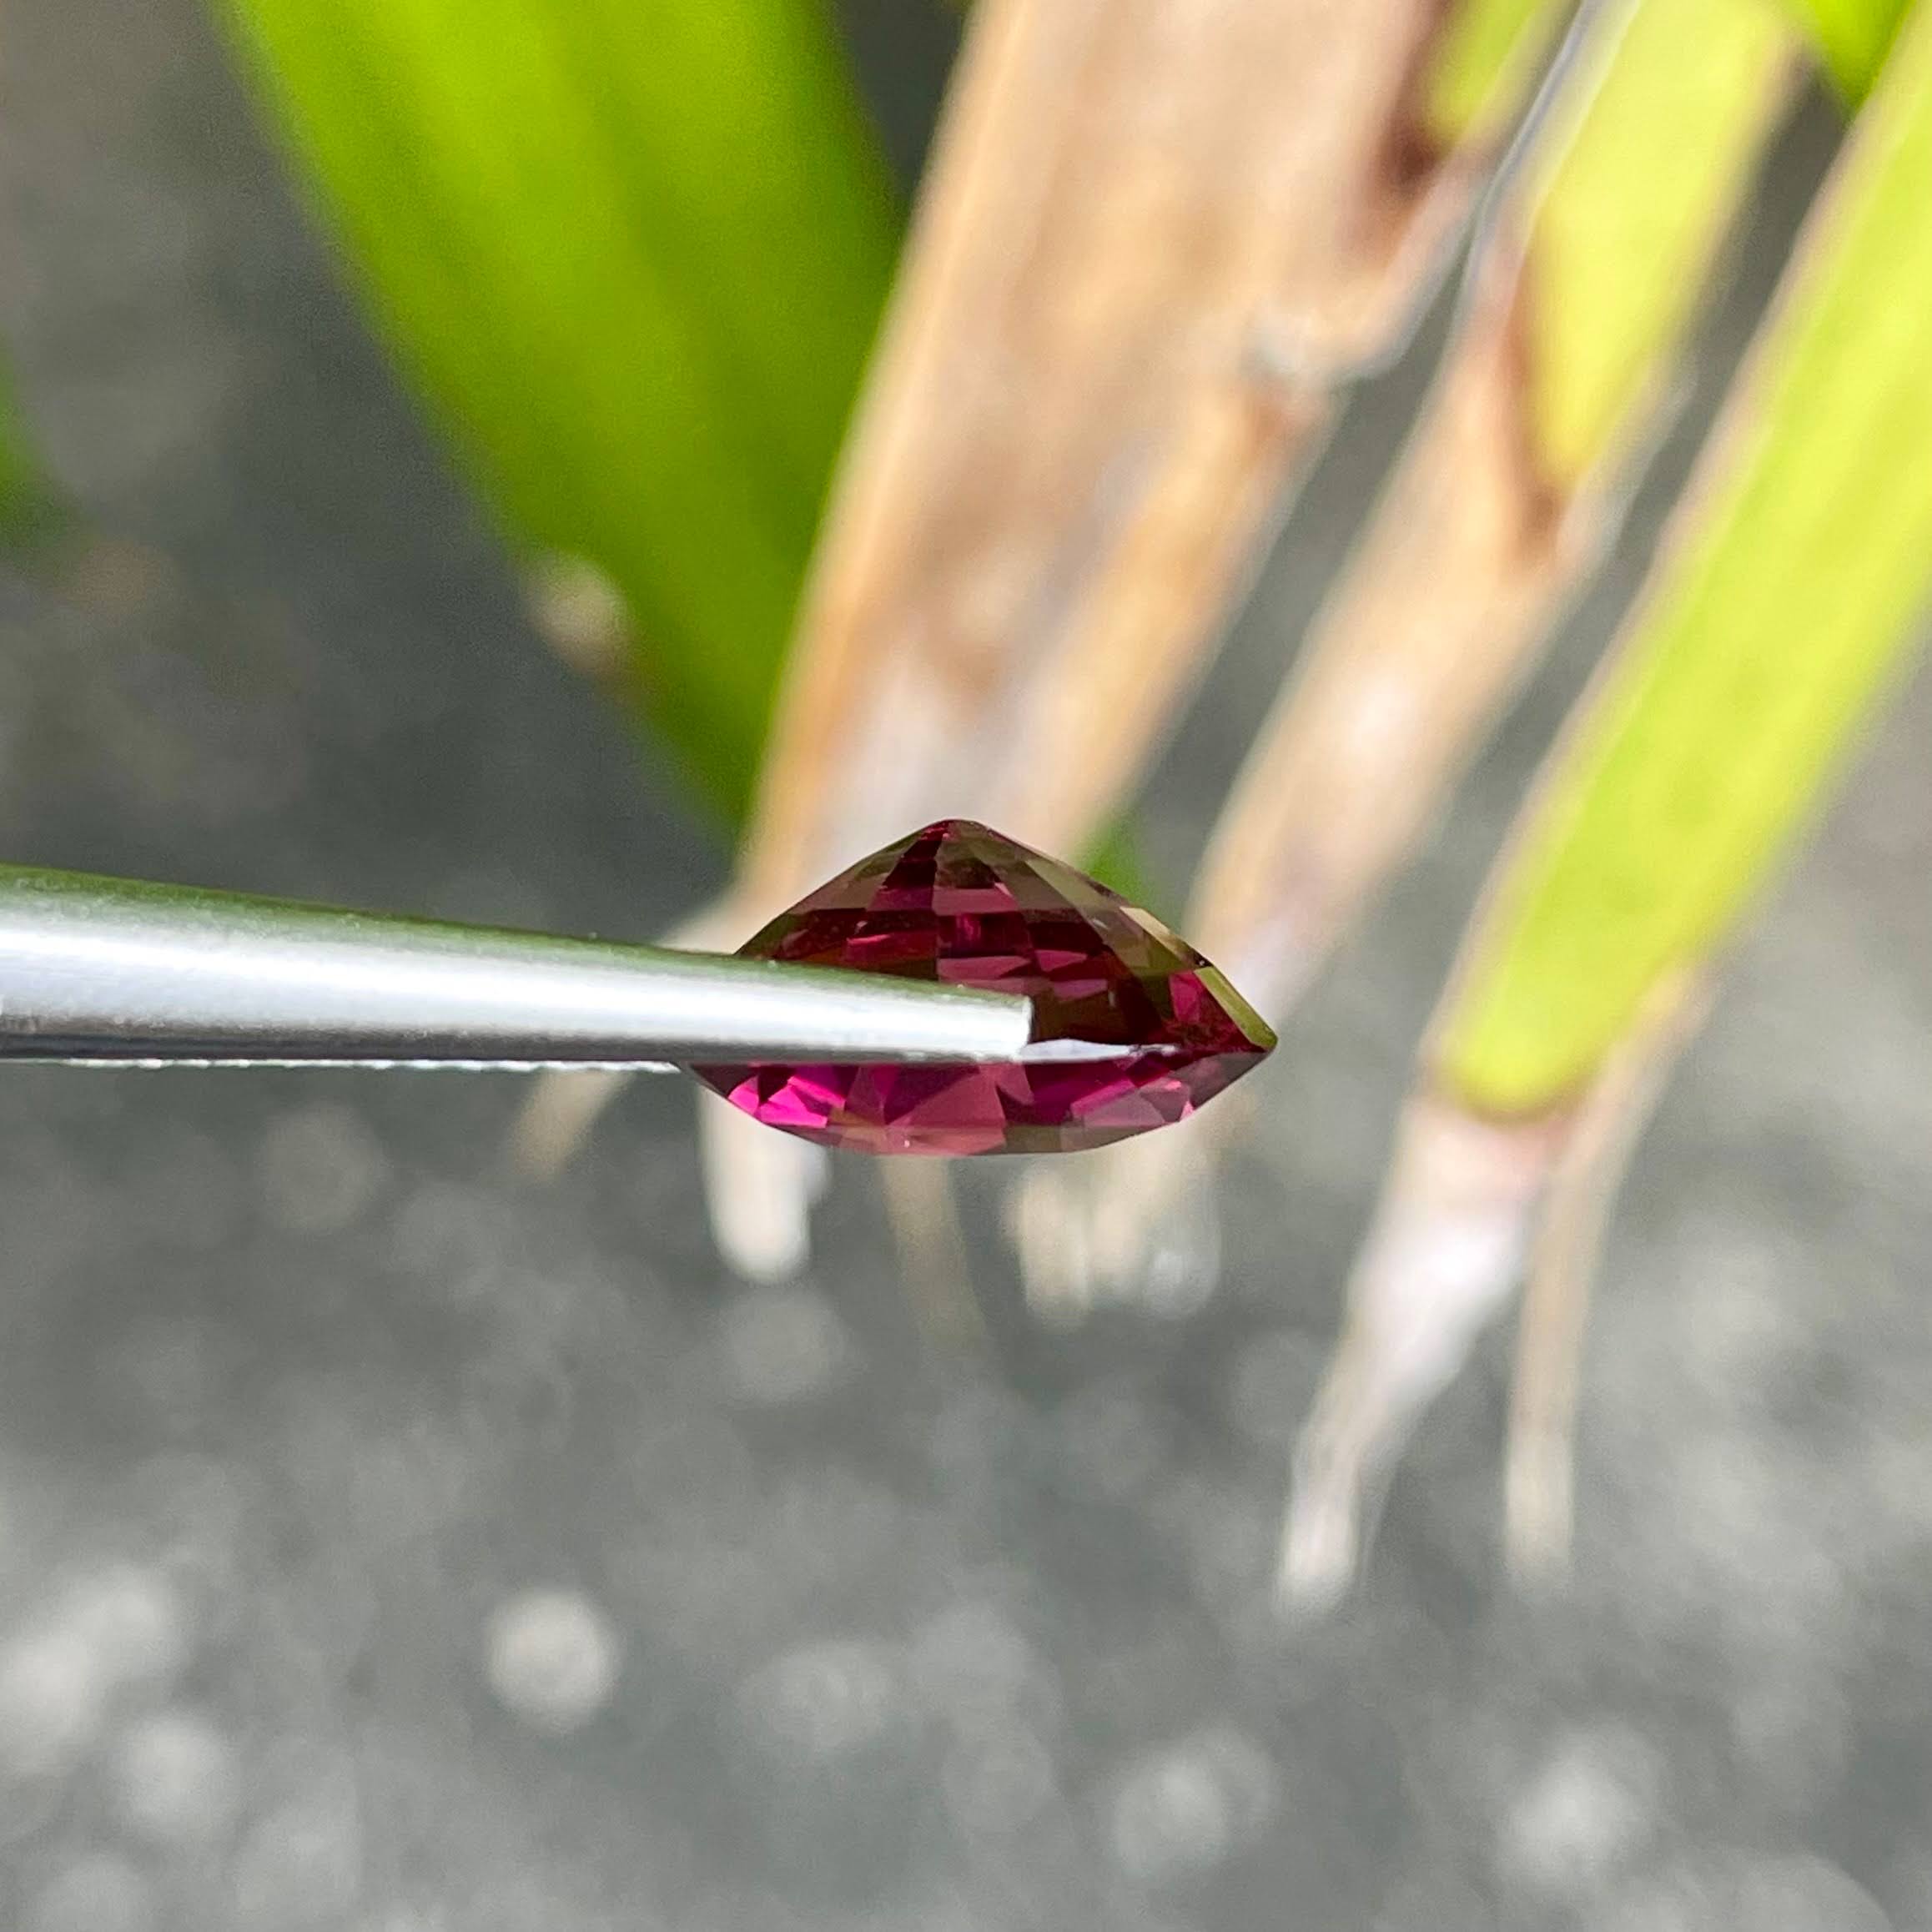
959 904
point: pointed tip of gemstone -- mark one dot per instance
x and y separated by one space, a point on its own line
958 902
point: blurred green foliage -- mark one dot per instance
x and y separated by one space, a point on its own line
1628 231
634 256
1797 581
1852 37
28 505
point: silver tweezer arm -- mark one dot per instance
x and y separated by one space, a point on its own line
102 970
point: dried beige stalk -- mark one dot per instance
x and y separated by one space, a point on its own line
1446 1249
935 1268
1417 648
1156 233
1564 1263
1467 1204
1480 539
1457 581
1154 236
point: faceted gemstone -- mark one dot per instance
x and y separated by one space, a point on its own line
959 904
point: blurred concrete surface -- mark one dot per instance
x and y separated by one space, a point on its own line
389 1545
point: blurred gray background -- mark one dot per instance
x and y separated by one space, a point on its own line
388 1543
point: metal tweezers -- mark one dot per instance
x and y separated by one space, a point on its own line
103 971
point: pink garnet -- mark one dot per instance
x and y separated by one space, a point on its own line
958 902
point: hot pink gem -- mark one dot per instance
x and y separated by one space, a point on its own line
958 902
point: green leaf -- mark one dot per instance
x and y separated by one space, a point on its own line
1482 64
1851 37
633 255
1794 585
1634 200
